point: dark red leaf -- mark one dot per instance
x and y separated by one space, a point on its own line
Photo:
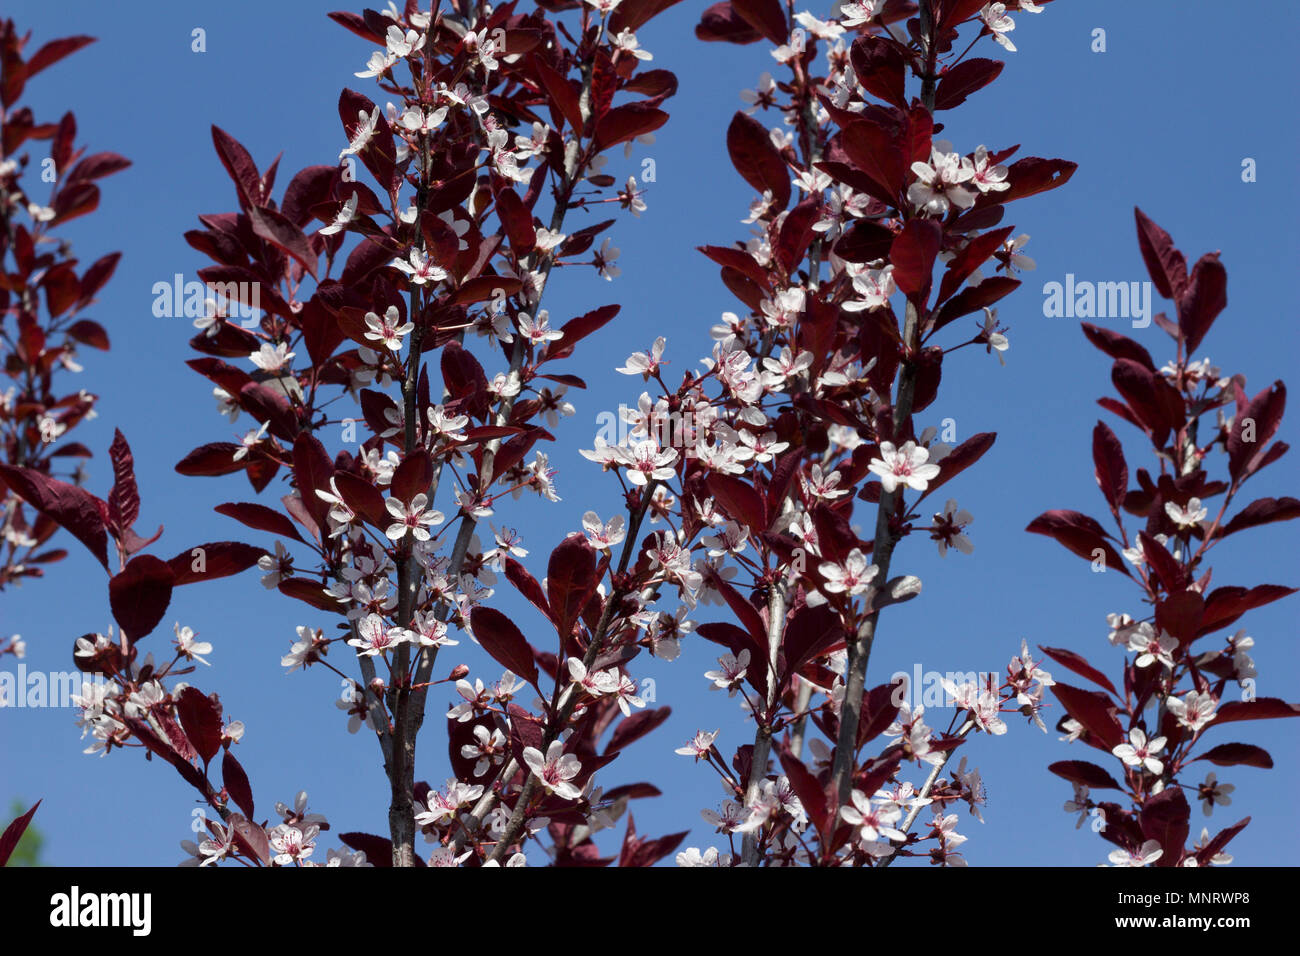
765 16
139 595
757 160
810 632
571 580
54 51
200 715
309 591
1261 511
1205 297
89 333
1109 466
282 233
1180 614
1166 264
236 783
627 122
250 837
1169 572
1233 755
880 706
1033 175
1224 605
216 559
578 328
412 477
809 790
1261 708
73 509
962 80
1094 710
1219 841
214 458
1084 773
971 256
973 298
124 499
260 518
239 164
1148 395
1164 818
913 254
739 260
721 23
632 728
1118 346
1079 665
560 92
312 470
528 586
961 458
879 67
97 166
14 832
1253 428
309 187
500 638
634 14
738 500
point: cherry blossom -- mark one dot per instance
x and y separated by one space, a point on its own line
538 331
411 517
645 364
948 529
389 330
1148 853
940 183
903 466
375 637
1140 752
855 13
1187 517
853 577
420 268
874 819
345 215
731 668
555 770
603 535
188 647
1212 793
999 24
699 745
1193 710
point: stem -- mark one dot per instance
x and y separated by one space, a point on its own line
562 707
412 718
401 763
763 735
925 790
883 547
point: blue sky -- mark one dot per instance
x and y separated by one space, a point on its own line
1162 119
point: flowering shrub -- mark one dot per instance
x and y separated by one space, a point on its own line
495 107
1172 692
381 327
38 345
817 387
